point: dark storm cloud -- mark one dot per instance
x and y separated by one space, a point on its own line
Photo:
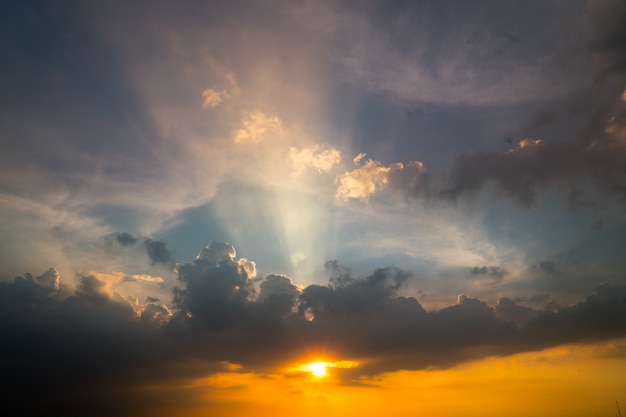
158 252
97 349
491 271
533 164
603 44
608 18
348 295
71 355
601 316
508 310
124 239
595 150
216 290
599 151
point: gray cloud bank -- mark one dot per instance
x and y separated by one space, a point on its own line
522 171
96 350
595 148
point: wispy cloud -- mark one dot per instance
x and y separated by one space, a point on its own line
257 127
317 157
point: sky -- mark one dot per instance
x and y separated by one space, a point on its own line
200 200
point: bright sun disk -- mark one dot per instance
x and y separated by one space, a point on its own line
318 369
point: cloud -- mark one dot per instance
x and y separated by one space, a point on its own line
158 252
492 271
549 267
358 318
508 310
362 182
372 176
95 288
592 103
279 289
73 350
158 314
532 164
98 284
496 273
124 239
212 98
454 56
316 157
144 278
216 289
258 127
607 18
49 279
601 315
596 108
576 201
97 347
30 292
518 173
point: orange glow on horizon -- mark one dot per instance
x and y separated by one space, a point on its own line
573 380
319 368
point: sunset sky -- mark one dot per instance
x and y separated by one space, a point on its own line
305 208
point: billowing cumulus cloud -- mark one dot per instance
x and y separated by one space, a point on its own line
49 279
372 176
97 343
216 289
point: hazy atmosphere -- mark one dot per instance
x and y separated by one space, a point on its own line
249 208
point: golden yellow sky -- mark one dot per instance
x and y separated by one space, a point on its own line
573 380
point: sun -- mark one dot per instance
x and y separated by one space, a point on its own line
318 369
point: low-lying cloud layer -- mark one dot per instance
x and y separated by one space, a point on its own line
94 344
